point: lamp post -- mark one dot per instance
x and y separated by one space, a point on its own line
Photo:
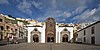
50 44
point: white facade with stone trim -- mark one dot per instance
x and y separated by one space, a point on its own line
41 29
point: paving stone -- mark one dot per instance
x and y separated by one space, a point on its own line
49 46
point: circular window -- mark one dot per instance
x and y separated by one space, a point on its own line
65 29
35 29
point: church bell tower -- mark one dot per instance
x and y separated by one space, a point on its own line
50 34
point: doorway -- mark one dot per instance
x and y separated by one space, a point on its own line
50 37
92 40
1 37
35 38
65 38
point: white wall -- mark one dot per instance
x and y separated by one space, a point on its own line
80 36
41 29
89 35
97 33
58 31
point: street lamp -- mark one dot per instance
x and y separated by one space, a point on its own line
50 44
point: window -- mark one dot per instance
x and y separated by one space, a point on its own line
7 27
1 28
92 30
35 29
11 28
1 37
0 20
84 32
92 40
65 29
84 39
15 29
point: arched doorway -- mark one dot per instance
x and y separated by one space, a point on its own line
65 38
35 35
35 38
50 37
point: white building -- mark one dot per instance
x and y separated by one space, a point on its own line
49 32
90 34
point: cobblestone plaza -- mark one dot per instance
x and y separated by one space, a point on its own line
49 46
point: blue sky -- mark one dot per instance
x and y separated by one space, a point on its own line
64 11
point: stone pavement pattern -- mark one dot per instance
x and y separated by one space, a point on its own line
48 46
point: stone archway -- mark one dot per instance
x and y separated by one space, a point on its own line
64 35
35 38
50 37
35 35
65 38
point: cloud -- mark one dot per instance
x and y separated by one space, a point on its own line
18 1
54 2
25 7
53 13
58 15
67 14
97 13
85 16
64 14
37 4
79 10
61 10
60 19
70 3
4 2
42 18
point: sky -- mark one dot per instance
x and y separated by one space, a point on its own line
64 11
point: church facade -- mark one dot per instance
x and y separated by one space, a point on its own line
49 32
